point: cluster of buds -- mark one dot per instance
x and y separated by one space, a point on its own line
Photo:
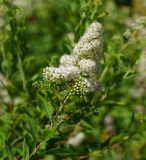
82 65
86 85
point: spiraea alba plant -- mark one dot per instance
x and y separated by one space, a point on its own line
76 76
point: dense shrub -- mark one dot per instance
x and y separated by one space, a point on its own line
72 80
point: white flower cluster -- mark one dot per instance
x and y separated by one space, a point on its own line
137 24
61 73
81 66
25 7
90 44
142 65
140 82
21 3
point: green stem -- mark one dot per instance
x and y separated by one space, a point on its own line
21 71
35 150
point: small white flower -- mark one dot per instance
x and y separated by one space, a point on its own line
47 71
88 66
140 82
70 73
142 66
95 27
88 49
67 60
4 95
52 73
93 85
77 139
127 34
21 3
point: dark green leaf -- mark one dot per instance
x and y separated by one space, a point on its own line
61 152
46 106
86 125
47 134
9 151
25 150
33 128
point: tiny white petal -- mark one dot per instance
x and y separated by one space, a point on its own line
88 66
77 140
66 60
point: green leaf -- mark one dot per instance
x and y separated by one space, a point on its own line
28 111
47 134
27 61
114 103
46 106
25 150
118 138
86 125
61 152
70 107
33 128
9 151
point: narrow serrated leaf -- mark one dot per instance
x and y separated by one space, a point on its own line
46 106
25 150
47 134
9 151
86 125
33 128
61 152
